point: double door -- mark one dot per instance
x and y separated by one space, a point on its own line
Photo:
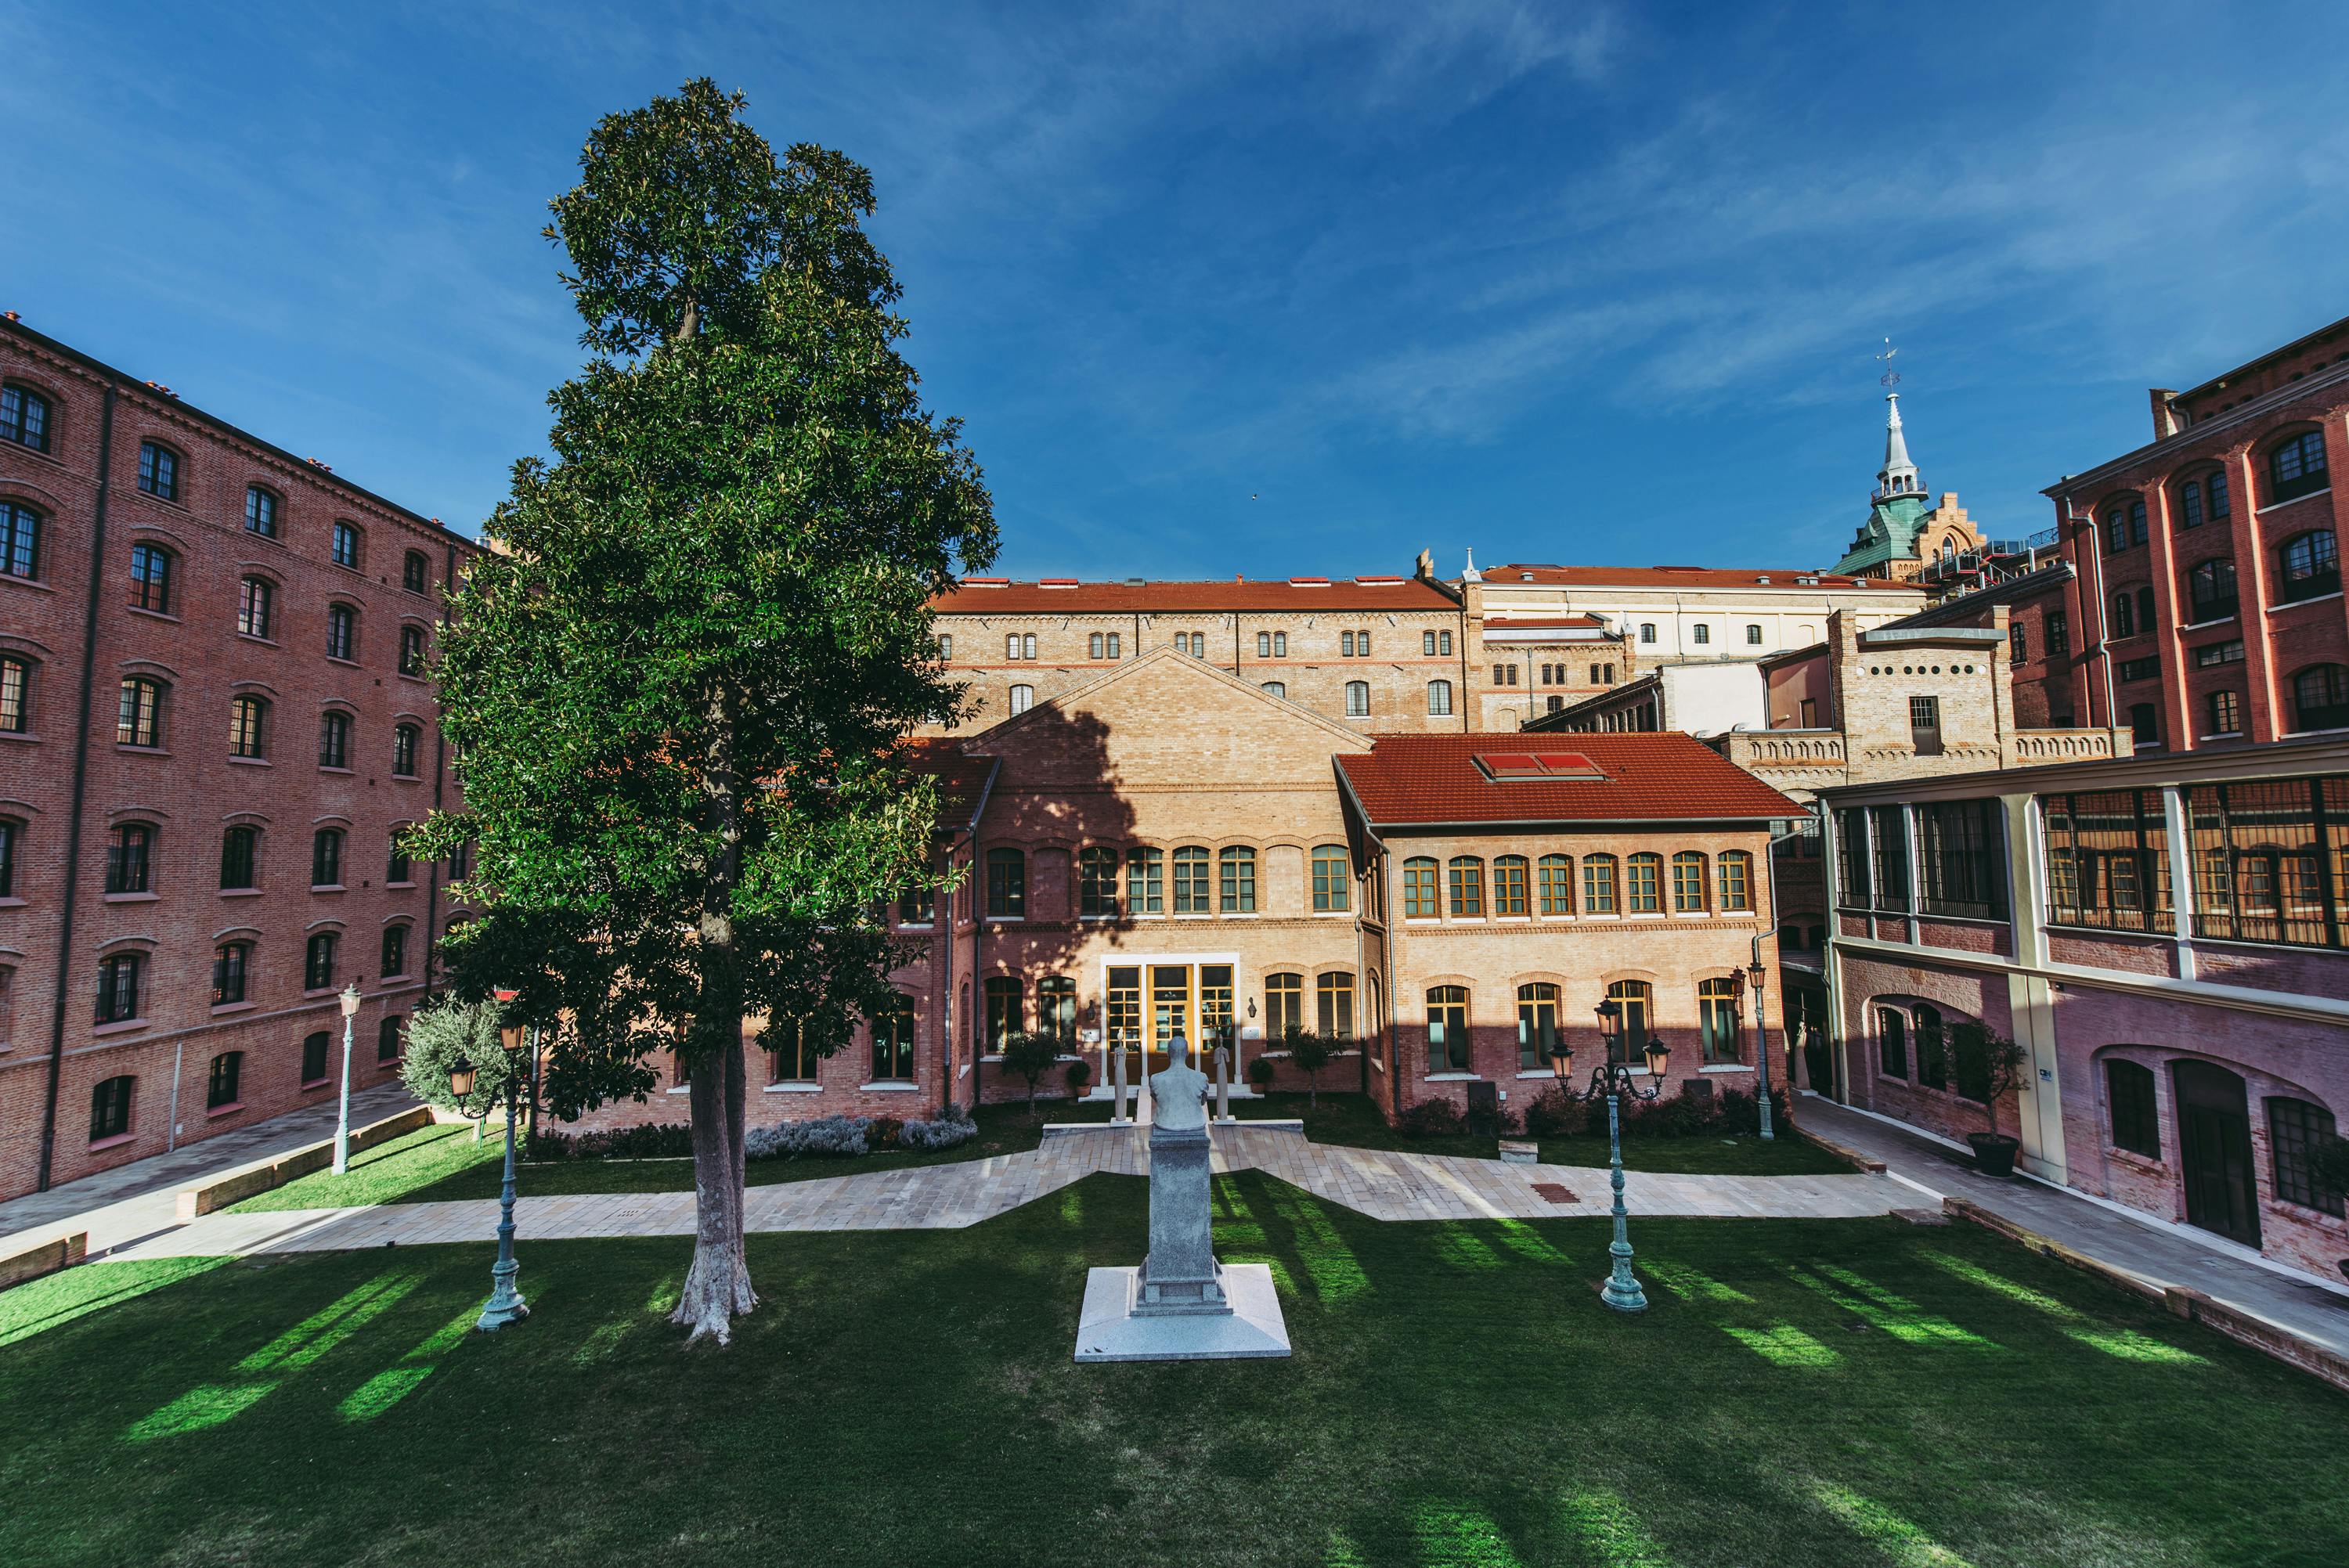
1158 1009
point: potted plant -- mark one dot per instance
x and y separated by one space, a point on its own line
1259 1073
1997 1064
1079 1074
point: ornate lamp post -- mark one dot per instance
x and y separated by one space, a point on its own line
1612 1078
506 1303
350 1001
1750 979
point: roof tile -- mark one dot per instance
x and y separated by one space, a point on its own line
1407 780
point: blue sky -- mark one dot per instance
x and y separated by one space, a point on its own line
1259 288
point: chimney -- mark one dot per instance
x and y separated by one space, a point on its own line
2165 412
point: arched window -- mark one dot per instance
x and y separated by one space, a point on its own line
314 1058
110 1108
2320 698
1193 895
117 987
1643 886
399 868
393 957
2298 1130
1235 881
240 857
1510 893
1737 881
1700 634
2210 590
1056 1008
2124 524
334 738
1419 888
1447 1029
1023 697
1467 882
1006 884
2130 1098
1717 1022
387 1039
158 471
411 650
1284 1005
1647 631
1688 882
20 540
254 596
247 723
414 571
1277 689
1556 884
342 631
1891 1043
1599 891
346 546
1635 1012
1006 1010
318 960
232 961
327 858
1439 698
1358 699
2296 467
1932 1046
16 694
138 716
260 512
24 418
1145 881
1334 876
151 578
1097 881
2189 504
222 1083
2312 565
2124 616
1537 1032
403 750
130 858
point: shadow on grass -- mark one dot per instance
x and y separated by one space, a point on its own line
1457 1395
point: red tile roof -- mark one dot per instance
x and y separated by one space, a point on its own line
1422 779
1680 577
997 597
962 777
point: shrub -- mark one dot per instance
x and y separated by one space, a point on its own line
441 1032
1079 1074
1259 1073
953 1128
664 1141
1554 1113
1433 1118
1311 1052
831 1136
882 1132
1029 1055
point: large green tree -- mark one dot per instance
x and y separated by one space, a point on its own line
680 687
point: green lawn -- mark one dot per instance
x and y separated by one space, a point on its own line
442 1162
1802 1393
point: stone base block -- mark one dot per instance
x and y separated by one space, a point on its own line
1108 1330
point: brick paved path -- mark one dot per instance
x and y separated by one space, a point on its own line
1383 1184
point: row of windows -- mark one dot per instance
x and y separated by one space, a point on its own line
1540 1031
1521 887
111 1100
1700 634
2310 567
2295 467
793 1057
1021 645
2297 1130
1005 999
121 976
139 712
1960 850
133 862
1110 885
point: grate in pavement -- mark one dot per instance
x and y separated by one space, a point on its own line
1555 1192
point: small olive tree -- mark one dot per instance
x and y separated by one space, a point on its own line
1028 1056
443 1033
1994 1064
1311 1052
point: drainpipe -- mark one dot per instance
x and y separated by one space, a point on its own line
81 787
439 778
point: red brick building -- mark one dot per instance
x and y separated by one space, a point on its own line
2165 935
2197 596
213 718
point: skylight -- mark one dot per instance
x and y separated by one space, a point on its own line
1511 766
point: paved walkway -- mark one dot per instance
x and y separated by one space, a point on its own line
1383 1184
134 1200
2157 1253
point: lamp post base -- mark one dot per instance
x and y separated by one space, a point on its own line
506 1305
1622 1290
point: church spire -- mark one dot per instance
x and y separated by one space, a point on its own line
1899 476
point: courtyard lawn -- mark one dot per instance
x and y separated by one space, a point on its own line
1801 1393
441 1163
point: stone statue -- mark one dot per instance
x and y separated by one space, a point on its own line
1178 1096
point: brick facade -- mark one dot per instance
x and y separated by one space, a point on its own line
75 627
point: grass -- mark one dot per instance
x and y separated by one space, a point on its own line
1856 1392
442 1162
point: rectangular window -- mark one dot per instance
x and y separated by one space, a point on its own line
2141 669
127 859
1925 725
2107 859
1737 881
1467 884
2226 713
110 1108
1419 889
117 988
1333 1005
1645 887
2213 653
1598 884
1116 643
1124 1010
158 471
228 973
137 717
1537 1034
1718 1023
1891 858
220 1087
1346 645
2059 636
1006 884
1145 882
1510 893
1284 1005
1427 644
1097 882
2129 1089
1962 861
1006 1010
2296 1131
1236 881
2270 860
1093 644
319 963
1557 886
1332 878
1891 1043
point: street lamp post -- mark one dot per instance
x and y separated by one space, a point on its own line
505 1304
351 1000
1751 980
1612 1078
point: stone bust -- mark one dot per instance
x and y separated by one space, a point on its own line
1178 1096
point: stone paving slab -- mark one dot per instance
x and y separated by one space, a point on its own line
1384 1184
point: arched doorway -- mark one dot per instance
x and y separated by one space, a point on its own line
2214 1141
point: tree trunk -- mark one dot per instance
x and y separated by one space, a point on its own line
717 1285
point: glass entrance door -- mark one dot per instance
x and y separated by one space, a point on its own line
1171 1012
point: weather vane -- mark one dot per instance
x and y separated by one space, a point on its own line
1891 378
